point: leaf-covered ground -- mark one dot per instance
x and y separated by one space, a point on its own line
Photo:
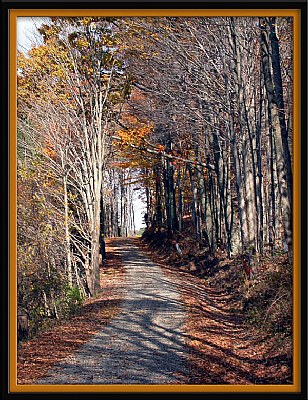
224 348
36 356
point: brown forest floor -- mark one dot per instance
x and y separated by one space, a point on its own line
38 355
223 350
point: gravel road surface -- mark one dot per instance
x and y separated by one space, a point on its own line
144 344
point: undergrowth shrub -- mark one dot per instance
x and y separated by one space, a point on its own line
268 303
72 301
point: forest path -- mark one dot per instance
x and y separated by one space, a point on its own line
144 344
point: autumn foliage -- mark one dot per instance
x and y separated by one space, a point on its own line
193 115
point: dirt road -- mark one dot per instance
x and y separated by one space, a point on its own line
144 344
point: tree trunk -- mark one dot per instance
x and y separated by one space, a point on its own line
94 281
67 233
275 56
274 122
158 191
102 247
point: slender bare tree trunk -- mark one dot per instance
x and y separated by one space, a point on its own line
67 232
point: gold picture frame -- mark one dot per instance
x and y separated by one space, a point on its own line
101 11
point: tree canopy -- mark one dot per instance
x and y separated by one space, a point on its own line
194 112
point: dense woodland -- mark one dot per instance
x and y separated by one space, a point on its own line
194 113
